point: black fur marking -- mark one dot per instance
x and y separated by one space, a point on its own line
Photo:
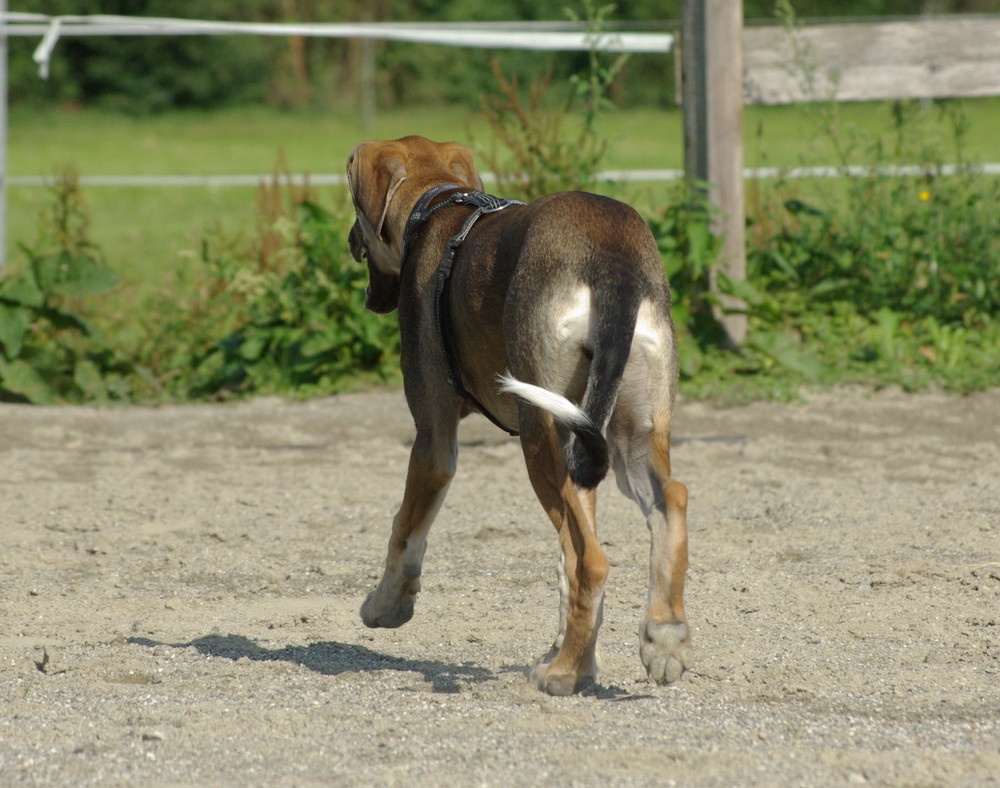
618 293
588 456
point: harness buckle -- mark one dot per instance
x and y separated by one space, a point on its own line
487 203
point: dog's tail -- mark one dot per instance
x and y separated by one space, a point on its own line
587 454
594 465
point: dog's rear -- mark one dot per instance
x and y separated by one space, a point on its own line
604 306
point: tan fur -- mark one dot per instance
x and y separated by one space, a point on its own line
528 290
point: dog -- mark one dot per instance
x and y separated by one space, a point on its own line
553 320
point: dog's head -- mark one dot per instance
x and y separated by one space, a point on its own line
387 178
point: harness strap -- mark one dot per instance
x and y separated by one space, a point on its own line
484 204
421 213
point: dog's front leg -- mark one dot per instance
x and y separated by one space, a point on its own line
432 466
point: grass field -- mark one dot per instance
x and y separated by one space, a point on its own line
148 233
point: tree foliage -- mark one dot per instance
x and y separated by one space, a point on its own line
149 73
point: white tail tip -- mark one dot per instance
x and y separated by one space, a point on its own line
561 408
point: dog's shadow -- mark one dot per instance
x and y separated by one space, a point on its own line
332 659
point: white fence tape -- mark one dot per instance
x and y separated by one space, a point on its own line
483 36
617 176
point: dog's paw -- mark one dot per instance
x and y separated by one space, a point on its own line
389 610
554 682
665 651
547 676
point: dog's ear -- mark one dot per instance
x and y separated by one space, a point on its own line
374 178
463 168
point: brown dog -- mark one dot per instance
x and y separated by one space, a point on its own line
553 319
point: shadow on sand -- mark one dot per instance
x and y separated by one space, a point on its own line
331 658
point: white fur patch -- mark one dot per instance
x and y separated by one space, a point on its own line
649 328
574 323
561 408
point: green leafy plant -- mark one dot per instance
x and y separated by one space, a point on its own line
878 278
689 249
926 247
283 314
49 350
543 152
307 330
894 280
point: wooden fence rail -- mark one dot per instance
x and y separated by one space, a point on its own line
931 58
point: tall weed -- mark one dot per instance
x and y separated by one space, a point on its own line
545 149
897 282
281 314
925 247
50 350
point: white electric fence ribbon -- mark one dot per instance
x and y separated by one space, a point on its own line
484 36
43 53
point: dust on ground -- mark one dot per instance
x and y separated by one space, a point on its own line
180 592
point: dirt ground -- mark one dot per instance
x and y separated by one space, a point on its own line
179 593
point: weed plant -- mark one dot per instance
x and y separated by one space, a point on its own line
281 314
896 282
543 153
50 350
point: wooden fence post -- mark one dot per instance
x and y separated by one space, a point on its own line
712 96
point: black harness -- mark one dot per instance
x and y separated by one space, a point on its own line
422 211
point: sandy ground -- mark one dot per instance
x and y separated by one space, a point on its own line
180 589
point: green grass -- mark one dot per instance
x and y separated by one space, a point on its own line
244 140
881 280
248 139
146 233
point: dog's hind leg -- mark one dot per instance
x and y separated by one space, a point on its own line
644 473
589 500
432 466
573 660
